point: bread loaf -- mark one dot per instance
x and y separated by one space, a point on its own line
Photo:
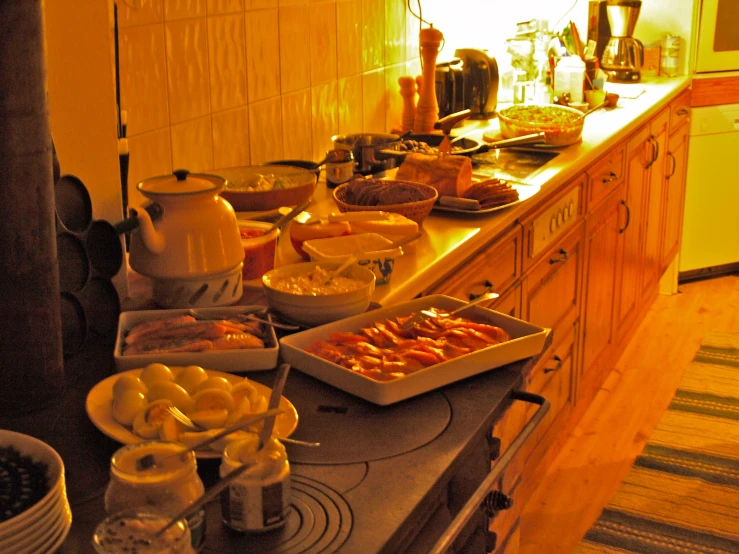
449 174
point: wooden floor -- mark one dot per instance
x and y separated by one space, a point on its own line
601 449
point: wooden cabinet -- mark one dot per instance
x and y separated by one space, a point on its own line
603 230
680 110
677 158
605 175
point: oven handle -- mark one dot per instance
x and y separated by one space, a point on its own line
473 504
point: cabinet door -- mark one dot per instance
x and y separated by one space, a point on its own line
674 194
653 222
602 258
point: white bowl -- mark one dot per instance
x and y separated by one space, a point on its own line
310 310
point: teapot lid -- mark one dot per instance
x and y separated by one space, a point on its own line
181 181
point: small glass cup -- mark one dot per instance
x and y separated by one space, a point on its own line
131 531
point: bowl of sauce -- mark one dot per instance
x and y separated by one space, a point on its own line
260 247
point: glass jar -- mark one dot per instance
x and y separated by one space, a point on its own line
670 55
131 531
167 488
258 499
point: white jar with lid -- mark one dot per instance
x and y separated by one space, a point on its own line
569 77
259 498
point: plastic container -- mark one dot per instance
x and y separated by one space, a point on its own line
376 255
569 77
259 248
166 489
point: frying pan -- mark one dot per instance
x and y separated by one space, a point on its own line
467 146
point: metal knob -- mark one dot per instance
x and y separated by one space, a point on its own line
496 501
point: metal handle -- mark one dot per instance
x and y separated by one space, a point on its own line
557 367
612 177
488 288
674 165
478 497
683 111
656 149
650 140
562 257
628 216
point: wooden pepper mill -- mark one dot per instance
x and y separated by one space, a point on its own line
408 92
427 110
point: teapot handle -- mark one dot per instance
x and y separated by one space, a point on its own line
154 210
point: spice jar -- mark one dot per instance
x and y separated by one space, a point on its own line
167 488
258 500
128 532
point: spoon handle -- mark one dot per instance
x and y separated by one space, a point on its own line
270 413
287 217
274 401
482 298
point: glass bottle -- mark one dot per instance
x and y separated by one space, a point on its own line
131 531
167 488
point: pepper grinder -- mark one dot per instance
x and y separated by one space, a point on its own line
427 110
408 92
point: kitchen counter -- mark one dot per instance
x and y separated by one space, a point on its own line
449 239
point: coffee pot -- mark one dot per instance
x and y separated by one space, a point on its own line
192 250
623 55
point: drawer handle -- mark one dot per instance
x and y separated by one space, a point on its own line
628 217
683 111
488 288
557 367
495 502
612 177
674 165
650 140
656 149
562 257
473 504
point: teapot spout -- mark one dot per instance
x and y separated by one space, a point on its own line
153 239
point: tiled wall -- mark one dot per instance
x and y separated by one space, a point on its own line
218 83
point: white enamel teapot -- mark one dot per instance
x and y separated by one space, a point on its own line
195 234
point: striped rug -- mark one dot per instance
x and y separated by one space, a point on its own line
682 494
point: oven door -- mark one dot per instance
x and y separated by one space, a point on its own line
718 36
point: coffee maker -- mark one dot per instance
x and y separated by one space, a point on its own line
468 82
623 56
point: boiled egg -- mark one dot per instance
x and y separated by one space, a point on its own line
190 378
128 381
171 429
215 383
126 404
242 409
245 389
147 422
210 419
156 373
171 391
192 438
212 399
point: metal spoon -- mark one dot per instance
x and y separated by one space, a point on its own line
285 218
423 315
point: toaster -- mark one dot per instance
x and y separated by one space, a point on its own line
468 82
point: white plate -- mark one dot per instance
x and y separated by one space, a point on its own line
99 407
525 191
39 535
526 340
232 361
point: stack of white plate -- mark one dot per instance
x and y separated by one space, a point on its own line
42 527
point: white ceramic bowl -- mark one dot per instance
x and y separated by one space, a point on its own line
309 310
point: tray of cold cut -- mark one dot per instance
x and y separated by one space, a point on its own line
230 338
372 357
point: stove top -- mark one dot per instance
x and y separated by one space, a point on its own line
517 163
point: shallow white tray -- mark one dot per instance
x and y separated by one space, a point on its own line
232 361
526 340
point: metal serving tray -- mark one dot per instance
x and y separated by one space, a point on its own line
526 340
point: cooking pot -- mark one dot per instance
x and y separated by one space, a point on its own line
370 150
194 240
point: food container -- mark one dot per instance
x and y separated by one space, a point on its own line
168 488
258 500
132 531
562 125
310 309
301 232
259 248
375 255
416 211
526 340
234 361
267 187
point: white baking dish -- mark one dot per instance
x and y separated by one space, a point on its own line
526 340
232 361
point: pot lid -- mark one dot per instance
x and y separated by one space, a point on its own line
181 181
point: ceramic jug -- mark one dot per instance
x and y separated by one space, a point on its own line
195 235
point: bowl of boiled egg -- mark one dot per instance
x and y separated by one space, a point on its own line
132 406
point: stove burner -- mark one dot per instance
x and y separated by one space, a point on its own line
319 520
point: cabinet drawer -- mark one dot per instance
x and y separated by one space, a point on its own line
509 303
498 265
680 110
551 289
605 175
